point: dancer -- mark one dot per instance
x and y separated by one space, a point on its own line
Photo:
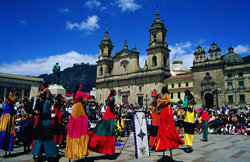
7 123
155 123
119 127
205 119
180 121
57 120
168 137
77 135
189 124
102 138
43 135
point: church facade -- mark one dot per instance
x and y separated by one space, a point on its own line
220 80
123 73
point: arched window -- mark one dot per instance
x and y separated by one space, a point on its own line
101 71
197 59
154 37
109 52
216 55
212 57
154 61
165 61
201 58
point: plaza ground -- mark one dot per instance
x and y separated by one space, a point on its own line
218 148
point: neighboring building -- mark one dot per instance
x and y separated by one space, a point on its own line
93 92
26 86
220 79
178 84
178 68
123 73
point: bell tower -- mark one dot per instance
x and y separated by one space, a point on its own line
105 58
158 52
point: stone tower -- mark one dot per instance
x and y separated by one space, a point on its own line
199 55
214 52
105 58
158 52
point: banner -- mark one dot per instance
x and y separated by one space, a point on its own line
140 134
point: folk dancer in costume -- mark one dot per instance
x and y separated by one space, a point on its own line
168 137
155 122
7 123
43 129
189 123
205 119
77 131
180 120
57 120
119 127
102 138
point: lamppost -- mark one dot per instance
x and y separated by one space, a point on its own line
216 91
146 99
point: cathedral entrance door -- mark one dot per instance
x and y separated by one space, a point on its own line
209 100
125 99
140 100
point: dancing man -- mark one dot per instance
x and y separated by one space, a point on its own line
205 119
189 124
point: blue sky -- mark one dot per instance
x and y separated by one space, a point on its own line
36 34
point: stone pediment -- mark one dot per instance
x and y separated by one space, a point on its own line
125 53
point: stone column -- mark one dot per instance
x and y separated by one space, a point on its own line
5 92
22 94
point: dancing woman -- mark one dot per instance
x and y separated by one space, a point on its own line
102 138
7 123
168 137
77 135
189 124
43 129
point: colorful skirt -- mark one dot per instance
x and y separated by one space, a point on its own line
102 138
77 136
7 129
168 137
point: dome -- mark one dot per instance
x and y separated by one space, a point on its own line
232 58
178 68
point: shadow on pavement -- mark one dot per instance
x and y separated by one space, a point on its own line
166 158
102 157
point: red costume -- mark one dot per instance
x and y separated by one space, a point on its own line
168 137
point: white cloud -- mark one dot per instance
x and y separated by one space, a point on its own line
23 22
44 65
64 10
182 51
92 4
89 25
129 5
240 49
142 59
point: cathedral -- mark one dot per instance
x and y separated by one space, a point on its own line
215 80
123 73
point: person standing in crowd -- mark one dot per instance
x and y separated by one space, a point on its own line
119 124
7 123
43 132
102 138
57 120
189 123
77 135
205 118
168 137
155 123
180 121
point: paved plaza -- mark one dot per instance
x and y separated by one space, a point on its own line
218 148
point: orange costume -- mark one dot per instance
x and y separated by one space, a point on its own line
168 137
154 127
